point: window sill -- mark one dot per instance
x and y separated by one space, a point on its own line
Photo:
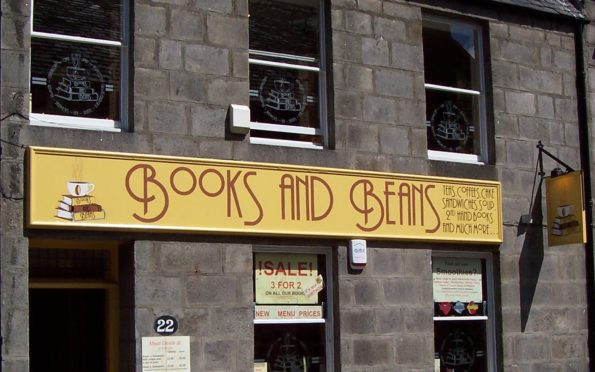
285 128
241 124
455 318
58 121
277 128
456 158
285 143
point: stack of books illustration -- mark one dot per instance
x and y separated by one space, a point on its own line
281 98
76 87
449 128
565 223
79 208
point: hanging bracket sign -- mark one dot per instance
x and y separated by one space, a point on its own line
566 209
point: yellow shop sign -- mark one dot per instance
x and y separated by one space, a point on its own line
77 189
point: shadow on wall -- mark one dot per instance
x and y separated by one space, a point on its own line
531 258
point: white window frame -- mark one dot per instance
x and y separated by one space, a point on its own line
74 122
491 342
322 91
481 93
328 319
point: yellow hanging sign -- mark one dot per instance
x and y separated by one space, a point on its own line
77 189
565 209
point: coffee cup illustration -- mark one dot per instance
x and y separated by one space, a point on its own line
80 188
565 210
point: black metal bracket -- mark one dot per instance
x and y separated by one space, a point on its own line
542 152
527 219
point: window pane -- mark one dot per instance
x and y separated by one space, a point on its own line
451 55
284 96
99 19
460 294
452 121
290 347
285 27
461 345
75 79
69 263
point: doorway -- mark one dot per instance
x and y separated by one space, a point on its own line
73 293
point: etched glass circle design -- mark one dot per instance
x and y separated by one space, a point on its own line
76 85
283 98
450 127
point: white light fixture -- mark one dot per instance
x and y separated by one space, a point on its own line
239 119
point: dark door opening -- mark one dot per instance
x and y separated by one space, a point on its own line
73 307
68 330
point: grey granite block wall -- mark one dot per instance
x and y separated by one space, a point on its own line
207 287
190 61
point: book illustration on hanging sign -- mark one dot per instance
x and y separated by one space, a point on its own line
565 222
79 205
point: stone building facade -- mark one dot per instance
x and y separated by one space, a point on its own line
183 63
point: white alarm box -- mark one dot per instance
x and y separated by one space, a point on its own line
358 255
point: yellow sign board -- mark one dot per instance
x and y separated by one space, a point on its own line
565 209
70 189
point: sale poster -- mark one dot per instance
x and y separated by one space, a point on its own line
286 278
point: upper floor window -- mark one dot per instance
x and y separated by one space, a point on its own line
455 90
78 63
287 73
